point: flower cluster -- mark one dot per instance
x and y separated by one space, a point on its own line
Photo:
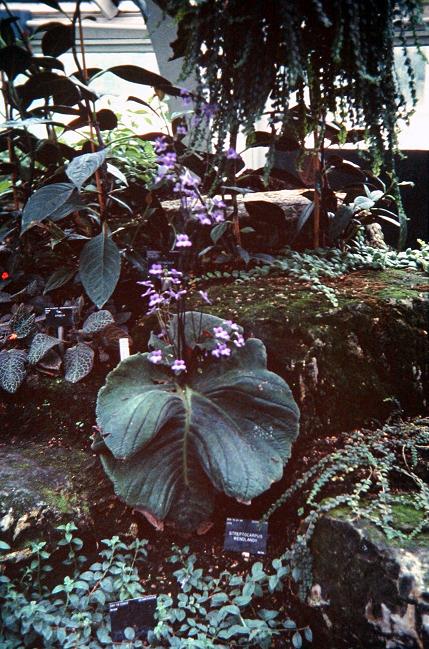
226 335
165 287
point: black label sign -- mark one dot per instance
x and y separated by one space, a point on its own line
60 316
137 614
245 536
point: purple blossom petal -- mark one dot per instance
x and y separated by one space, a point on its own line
178 366
155 356
232 154
183 241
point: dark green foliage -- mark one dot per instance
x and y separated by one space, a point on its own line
26 345
100 267
341 50
169 447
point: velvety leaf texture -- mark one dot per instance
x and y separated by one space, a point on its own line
12 369
78 362
169 448
22 322
44 202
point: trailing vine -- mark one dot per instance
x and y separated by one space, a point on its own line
300 62
367 477
341 51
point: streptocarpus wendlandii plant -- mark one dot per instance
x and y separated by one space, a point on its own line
173 434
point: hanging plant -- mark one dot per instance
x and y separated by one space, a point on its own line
300 62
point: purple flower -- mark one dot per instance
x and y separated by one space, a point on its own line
205 296
203 217
186 97
155 356
160 144
178 366
155 269
221 350
149 291
168 160
164 173
181 130
155 299
183 241
176 295
232 154
218 202
239 341
220 332
218 216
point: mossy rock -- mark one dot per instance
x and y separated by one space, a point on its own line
347 366
42 487
374 591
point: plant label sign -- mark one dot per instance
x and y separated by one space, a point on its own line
137 614
245 536
60 316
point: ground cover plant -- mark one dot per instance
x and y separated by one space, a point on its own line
202 610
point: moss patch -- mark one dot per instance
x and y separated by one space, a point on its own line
406 518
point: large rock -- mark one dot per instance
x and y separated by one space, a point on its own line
42 487
347 366
373 593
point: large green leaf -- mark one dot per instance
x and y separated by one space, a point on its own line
99 268
169 448
45 202
40 345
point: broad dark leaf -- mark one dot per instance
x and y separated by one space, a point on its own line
97 321
49 84
48 62
99 268
340 222
44 202
168 448
57 40
136 74
219 230
22 322
58 278
107 120
303 218
40 345
84 166
14 60
12 369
